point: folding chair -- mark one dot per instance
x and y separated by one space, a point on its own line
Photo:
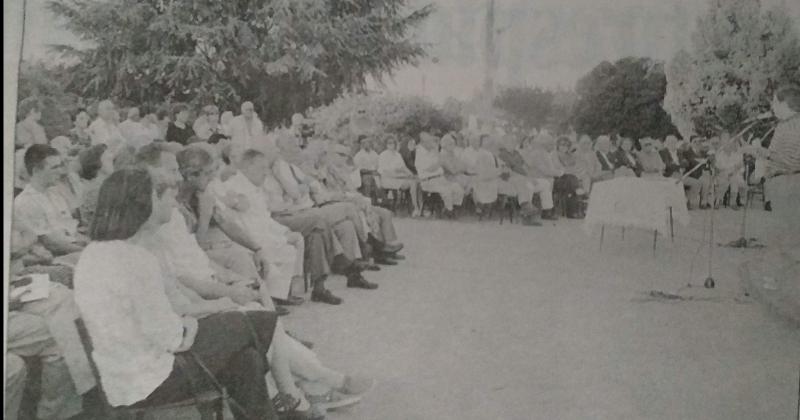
208 403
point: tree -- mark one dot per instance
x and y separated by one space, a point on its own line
526 107
46 84
739 56
284 55
623 98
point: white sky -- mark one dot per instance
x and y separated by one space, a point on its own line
548 43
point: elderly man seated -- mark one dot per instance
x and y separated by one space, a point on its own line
340 182
455 169
43 328
431 173
42 209
294 187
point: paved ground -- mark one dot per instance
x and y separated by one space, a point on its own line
510 322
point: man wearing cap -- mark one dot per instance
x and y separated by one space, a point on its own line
431 173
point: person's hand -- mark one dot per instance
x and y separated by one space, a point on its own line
262 262
243 294
189 333
227 304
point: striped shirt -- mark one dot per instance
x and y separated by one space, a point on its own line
784 157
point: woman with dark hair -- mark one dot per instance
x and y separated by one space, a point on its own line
96 164
144 351
179 130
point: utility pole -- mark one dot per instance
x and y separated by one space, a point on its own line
490 58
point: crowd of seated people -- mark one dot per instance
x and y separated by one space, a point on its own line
163 235
178 254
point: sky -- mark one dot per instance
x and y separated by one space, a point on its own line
546 43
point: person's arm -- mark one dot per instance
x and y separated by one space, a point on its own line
283 174
239 234
59 244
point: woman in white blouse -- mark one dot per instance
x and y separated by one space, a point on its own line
394 173
145 352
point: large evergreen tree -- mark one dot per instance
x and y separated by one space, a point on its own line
623 98
739 56
526 106
284 55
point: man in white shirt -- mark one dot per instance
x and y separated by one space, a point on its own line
135 132
431 173
207 124
104 129
245 129
41 209
543 168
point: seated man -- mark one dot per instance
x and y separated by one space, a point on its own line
163 165
339 182
431 173
694 162
45 329
544 168
42 209
729 164
294 186
674 164
517 179
485 187
366 161
395 174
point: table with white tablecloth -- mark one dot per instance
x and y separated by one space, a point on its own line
645 203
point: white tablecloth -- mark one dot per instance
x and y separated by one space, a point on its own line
636 202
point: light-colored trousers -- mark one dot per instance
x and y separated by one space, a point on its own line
16 375
524 189
451 192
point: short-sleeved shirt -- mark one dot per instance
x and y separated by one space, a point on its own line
44 213
785 147
366 161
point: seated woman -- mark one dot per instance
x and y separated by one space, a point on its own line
569 185
395 175
590 167
625 162
455 170
145 352
485 187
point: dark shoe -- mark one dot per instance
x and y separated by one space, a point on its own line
291 301
549 215
385 261
287 407
397 257
358 281
281 311
325 296
391 249
768 206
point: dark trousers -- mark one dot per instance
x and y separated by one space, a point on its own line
565 188
318 237
235 354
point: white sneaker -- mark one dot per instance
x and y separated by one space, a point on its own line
333 400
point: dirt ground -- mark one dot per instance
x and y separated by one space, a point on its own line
484 321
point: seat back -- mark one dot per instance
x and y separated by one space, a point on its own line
86 340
